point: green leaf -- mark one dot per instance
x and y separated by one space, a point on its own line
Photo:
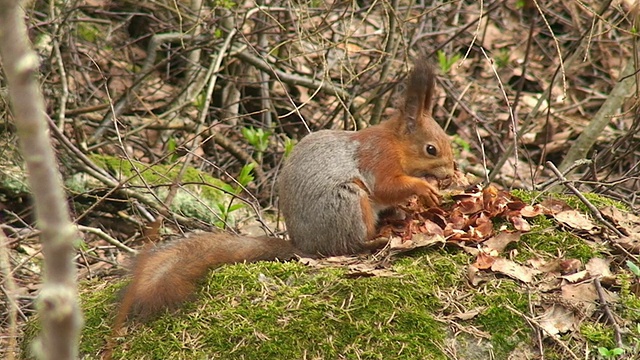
288 146
617 351
634 268
245 176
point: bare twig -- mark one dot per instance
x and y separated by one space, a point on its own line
528 120
104 236
291 79
623 89
212 75
11 290
607 310
121 105
538 326
584 200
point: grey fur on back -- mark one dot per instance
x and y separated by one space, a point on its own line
319 201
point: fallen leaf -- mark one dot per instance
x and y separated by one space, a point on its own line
520 224
530 211
583 295
598 267
557 319
502 240
630 243
575 219
576 277
369 270
467 315
626 221
484 261
514 270
398 245
554 206
570 266
475 276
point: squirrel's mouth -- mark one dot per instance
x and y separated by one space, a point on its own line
438 183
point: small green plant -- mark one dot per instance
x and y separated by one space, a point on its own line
199 101
288 146
226 4
172 145
258 138
88 32
610 353
634 268
445 62
520 4
461 143
242 180
501 58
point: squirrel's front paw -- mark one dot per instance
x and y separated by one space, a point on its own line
430 197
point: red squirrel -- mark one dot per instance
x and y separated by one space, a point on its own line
332 188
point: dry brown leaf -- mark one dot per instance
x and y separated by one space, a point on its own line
599 267
502 240
467 315
331 261
570 266
530 211
369 270
398 245
630 243
627 221
475 276
520 224
557 319
575 219
484 261
514 270
583 295
561 266
576 277
554 206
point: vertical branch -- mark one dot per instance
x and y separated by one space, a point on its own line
390 50
58 304
10 284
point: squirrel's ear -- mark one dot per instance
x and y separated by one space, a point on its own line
419 94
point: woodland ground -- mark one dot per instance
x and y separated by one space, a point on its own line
207 101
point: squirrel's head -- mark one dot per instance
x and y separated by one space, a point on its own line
426 147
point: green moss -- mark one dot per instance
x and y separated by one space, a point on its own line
286 310
629 301
544 239
201 195
88 32
507 327
598 334
573 201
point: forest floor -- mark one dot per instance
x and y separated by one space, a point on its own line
207 105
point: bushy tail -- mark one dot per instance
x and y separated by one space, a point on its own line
166 276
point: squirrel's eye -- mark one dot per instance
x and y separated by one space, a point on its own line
431 150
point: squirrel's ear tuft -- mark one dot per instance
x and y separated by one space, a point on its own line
418 98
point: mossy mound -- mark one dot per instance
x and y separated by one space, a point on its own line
419 306
291 311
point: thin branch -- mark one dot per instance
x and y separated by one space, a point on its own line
607 310
58 305
584 200
10 284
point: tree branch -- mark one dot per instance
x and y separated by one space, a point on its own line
58 303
